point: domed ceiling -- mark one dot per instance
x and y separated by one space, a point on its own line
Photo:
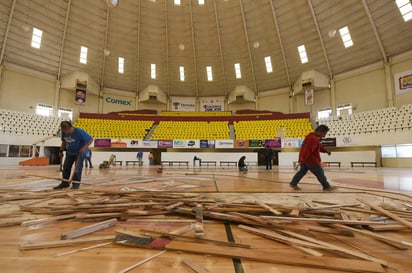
197 35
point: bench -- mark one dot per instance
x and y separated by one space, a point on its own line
118 162
251 163
328 163
363 163
134 162
173 162
228 163
207 163
332 163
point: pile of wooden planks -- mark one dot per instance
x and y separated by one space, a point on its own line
293 224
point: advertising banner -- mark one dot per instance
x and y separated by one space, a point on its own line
273 143
241 143
165 143
134 143
328 142
102 142
183 104
212 104
403 82
149 143
309 97
291 142
224 144
256 143
80 96
207 144
186 144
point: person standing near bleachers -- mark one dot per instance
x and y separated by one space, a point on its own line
140 157
88 158
151 159
75 142
268 154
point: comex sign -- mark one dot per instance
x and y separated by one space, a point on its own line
118 101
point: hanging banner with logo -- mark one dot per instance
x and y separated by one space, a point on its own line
80 96
184 104
212 104
403 82
309 97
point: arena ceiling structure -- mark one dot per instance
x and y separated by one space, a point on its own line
163 38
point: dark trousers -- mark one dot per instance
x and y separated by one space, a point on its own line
69 161
317 170
88 162
268 162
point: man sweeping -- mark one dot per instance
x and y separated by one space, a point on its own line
75 142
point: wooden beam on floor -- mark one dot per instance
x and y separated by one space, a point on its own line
60 243
194 266
387 213
348 265
88 229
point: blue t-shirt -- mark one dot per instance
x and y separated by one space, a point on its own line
75 141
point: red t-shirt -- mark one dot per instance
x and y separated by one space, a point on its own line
310 151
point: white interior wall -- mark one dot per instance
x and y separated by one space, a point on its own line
286 159
221 156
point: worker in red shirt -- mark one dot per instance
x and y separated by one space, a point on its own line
309 159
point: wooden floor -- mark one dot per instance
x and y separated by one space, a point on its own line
27 195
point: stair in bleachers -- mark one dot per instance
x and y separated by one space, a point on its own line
232 131
150 133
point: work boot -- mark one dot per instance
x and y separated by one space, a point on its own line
295 187
331 188
75 186
62 185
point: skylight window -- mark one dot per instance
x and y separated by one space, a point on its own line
177 2
302 53
121 65
346 38
209 73
201 2
237 71
153 71
182 73
268 62
405 8
36 38
83 55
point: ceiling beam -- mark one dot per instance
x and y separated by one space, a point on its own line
248 47
138 23
325 54
220 47
167 52
3 48
194 50
275 20
375 31
106 35
66 22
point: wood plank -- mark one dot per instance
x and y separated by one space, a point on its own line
338 248
347 265
193 239
387 213
60 243
269 208
88 229
194 266
390 241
